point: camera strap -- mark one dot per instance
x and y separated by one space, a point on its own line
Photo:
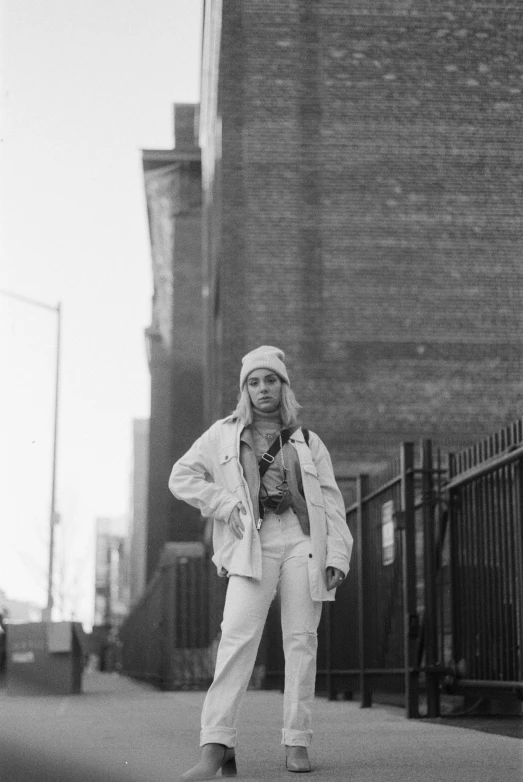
268 457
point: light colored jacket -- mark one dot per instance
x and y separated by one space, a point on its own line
210 477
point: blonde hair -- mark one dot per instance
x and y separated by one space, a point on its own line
289 407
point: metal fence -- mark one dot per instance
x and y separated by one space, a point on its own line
169 638
485 595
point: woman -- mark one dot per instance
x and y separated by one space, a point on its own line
279 522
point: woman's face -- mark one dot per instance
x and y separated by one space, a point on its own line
264 389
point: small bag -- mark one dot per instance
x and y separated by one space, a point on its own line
281 503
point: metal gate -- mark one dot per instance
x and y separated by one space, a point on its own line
485 496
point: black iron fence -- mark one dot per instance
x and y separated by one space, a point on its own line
485 594
170 636
433 600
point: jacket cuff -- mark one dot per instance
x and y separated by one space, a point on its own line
339 563
225 509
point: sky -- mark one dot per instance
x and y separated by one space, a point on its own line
85 85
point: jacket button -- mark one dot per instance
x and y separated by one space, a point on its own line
310 556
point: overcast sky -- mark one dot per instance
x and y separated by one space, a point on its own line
85 85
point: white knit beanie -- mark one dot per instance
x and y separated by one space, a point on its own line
265 357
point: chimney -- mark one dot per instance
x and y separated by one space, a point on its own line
185 125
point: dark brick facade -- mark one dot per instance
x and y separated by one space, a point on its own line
173 191
362 207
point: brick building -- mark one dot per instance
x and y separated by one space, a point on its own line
138 508
362 210
111 598
174 338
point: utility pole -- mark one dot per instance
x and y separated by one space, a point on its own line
46 614
52 519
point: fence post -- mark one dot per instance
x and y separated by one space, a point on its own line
519 567
365 691
431 603
452 527
167 628
410 615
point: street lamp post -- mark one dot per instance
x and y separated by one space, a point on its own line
52 517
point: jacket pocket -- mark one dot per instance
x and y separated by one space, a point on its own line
230 468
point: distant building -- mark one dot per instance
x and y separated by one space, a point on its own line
19 611
138 509
111 572
175 337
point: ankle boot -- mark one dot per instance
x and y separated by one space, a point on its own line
214 757
297 759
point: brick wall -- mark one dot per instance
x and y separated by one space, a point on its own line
368 186
173 193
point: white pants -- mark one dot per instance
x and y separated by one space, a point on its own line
285 552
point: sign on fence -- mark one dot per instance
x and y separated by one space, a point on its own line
387 532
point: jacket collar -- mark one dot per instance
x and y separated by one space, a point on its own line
246 436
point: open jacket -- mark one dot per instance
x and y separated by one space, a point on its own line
210 477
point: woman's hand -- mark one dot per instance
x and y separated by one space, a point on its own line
334 577
235 523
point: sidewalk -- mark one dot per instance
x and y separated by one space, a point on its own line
123 731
